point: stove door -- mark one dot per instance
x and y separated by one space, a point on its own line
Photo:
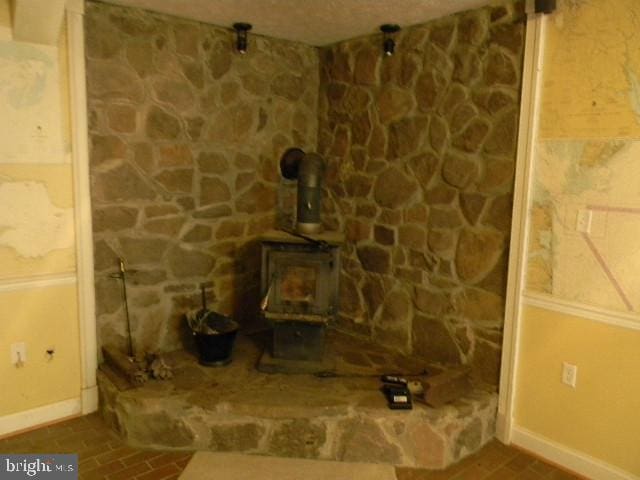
300 281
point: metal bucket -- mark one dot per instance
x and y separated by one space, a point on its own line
216 340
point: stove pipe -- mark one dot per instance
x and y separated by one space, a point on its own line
310 174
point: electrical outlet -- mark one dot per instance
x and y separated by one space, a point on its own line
569 374
583 221
18 353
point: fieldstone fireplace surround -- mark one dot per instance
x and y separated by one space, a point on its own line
420 148
185 139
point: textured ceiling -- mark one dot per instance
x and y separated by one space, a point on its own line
314 22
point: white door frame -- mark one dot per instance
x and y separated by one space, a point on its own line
527 134
82 204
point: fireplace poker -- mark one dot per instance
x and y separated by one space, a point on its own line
321 244
203 294
122 275
264 303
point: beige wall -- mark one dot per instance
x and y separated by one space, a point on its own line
38 298
44 318
601 416
585 153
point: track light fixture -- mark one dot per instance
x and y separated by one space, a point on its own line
388 44
545 6
241 36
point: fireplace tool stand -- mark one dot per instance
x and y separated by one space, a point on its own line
128 371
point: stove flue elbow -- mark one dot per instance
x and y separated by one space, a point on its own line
311 170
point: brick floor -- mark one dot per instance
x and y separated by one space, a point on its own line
494 462
102 455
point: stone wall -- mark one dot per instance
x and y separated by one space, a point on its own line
421 152
185 138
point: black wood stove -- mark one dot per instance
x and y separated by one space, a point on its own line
299 290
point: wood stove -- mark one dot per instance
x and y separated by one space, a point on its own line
299 288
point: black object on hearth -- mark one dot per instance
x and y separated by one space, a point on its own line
214 334
545 6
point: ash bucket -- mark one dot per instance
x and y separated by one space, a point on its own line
214 335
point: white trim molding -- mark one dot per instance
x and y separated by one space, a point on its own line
89 399
41 281
527 132
17 422
566 457
83 224
581 310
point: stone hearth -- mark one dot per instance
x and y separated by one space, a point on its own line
238 409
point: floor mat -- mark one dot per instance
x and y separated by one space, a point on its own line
231 466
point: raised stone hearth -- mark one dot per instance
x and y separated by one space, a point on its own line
238 409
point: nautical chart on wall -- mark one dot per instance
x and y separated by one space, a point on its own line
31 127
592 70
36 193
584 243
586 236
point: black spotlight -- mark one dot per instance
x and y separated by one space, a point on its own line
388 44
241 32
545 6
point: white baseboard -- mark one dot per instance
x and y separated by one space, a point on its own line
502 430
561 455
16 422
89 400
